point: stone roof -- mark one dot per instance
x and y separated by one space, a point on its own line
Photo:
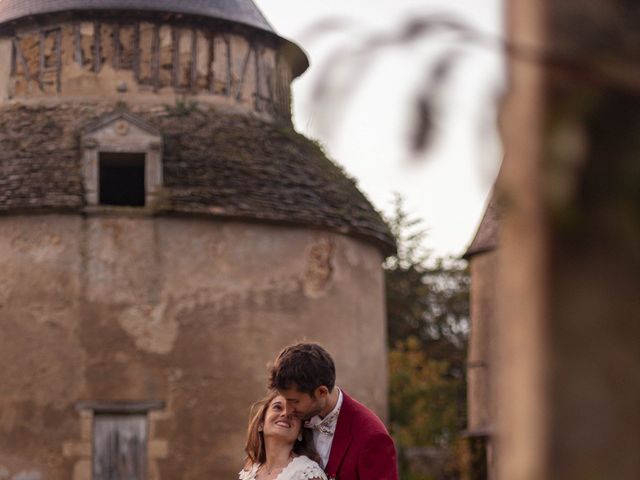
243 12
214 165
487 235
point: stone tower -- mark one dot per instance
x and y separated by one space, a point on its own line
163 233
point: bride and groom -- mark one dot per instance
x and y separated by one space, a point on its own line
307 428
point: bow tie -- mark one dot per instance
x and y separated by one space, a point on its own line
326 426
323 429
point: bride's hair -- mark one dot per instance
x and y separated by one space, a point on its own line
255 448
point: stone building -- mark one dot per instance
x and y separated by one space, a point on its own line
561 387
163 233
482 256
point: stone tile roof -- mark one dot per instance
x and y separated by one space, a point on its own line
215 165
487 236
239 11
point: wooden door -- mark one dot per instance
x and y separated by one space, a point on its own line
119 447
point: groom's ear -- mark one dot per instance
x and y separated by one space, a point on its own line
321 391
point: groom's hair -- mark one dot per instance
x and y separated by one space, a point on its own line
303 366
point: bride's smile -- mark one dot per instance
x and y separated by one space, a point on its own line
279 423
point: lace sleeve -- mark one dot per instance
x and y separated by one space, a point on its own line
310 471
247 474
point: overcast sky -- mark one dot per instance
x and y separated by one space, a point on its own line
447 188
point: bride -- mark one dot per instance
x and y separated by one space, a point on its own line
276 448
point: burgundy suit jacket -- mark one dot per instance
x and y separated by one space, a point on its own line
362 448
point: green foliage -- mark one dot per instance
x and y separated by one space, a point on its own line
428 323
424 405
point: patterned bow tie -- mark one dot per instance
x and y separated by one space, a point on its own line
325 426
323 429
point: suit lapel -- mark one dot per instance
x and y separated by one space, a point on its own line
341 437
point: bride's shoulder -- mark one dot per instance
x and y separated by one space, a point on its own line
307 469
248 472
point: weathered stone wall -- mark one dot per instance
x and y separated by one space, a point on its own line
483 269
183 311
481 413
138 61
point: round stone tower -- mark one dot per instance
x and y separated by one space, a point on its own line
163 233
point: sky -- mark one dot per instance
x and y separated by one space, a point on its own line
368 129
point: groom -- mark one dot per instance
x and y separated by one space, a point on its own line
352 442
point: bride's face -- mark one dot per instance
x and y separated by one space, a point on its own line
279 423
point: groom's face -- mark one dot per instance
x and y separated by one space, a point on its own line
302 405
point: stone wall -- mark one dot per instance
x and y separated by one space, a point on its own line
183 311
481 414
481 342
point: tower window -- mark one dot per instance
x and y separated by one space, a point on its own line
122 163
122 179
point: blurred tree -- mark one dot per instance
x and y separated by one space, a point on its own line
425 397
427 297
428 322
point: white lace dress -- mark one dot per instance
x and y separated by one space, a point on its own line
300 468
